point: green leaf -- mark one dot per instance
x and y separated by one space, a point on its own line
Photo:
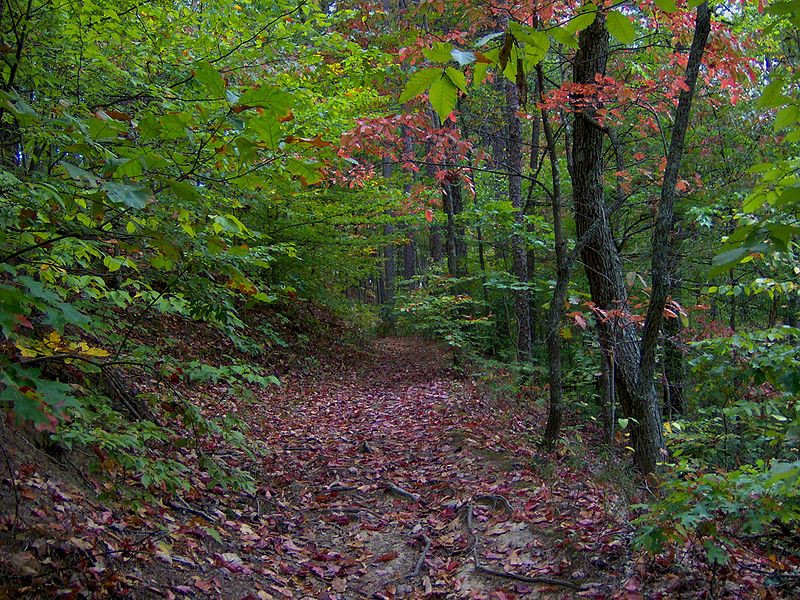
786 117
79 174
308 172
536 46
790 196
129 195
440 52
716 554
457 77
772 96
211 79
583 19
479 73
781 235
443 95
668 6
724 261
621 27
269 97
267 129
419 82
214 534
563 37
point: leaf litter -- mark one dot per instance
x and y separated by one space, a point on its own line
386 475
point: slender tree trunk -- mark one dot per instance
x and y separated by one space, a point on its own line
674 370
389 253
662 240
450 231
513 163
563 268
459 232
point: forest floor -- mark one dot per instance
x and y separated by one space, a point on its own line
383 474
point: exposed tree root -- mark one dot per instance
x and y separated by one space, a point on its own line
469 521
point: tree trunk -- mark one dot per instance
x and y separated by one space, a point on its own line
513 164
601 259
389 253
450 231
459 231
563 269
662 265
674 371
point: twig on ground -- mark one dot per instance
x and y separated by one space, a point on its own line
396 489
481 568
185 507
417 566
423 555
494 499
469 520
350 509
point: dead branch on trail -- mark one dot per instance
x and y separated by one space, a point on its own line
494 499
481 568
423 555
396 489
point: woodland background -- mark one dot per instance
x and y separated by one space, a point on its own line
592 207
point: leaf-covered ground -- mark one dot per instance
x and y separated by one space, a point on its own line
384 475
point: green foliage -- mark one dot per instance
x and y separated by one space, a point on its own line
123 447
439 311
231 374
712 509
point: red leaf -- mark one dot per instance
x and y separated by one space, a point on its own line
429 215
387 557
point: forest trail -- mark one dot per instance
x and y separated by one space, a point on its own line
390 476
381 474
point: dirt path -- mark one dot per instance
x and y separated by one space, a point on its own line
390 478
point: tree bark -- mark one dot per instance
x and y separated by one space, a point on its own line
513 164
662 238
563 268
601 259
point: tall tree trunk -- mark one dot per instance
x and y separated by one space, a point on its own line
663 265
674 370
409 255
600 257
389 253
459 232
513 164
563 269
662 239
450 230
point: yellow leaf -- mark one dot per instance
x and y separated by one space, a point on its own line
96 352
25 350
668 427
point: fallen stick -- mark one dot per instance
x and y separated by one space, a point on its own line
185 507
422 557
396 489
480 568
494 499
350 509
